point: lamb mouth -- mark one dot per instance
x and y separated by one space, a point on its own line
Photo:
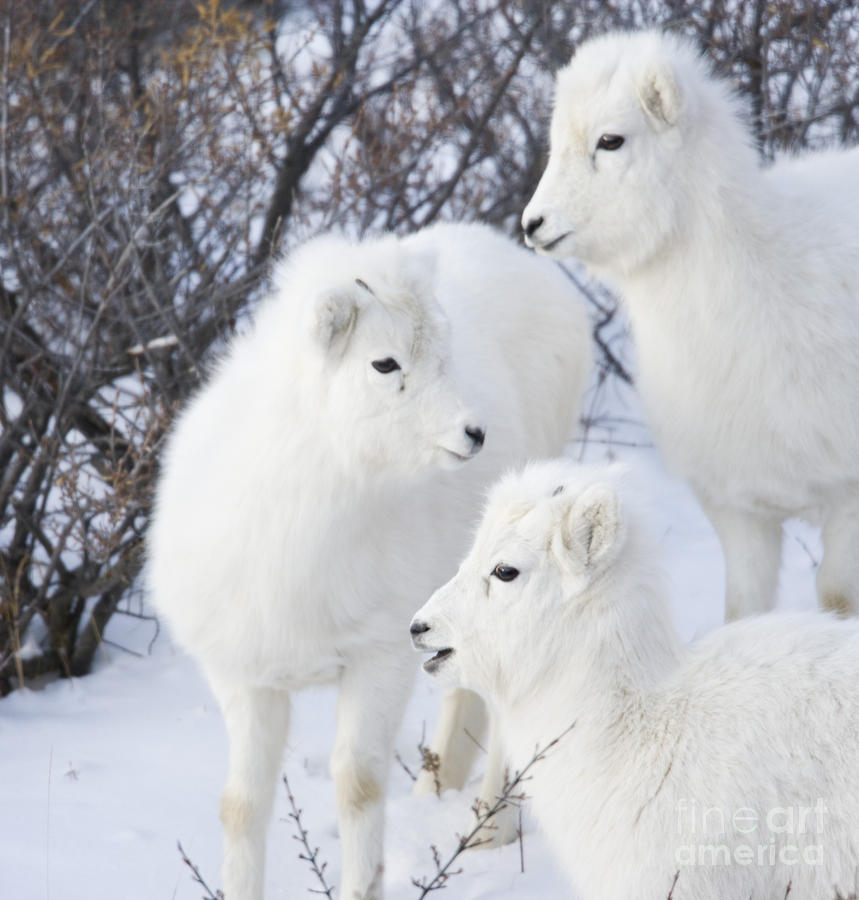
550 245
432 664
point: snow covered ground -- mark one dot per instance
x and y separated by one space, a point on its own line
101 776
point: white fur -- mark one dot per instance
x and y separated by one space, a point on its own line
742 286
756 723
308 502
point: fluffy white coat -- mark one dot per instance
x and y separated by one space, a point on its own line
733 762
321 485
742 287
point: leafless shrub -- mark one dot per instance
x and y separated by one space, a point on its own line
154 157
308 854
797 62
512 794
197 877
118 275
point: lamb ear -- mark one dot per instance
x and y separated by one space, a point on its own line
659 94
333 317
593 526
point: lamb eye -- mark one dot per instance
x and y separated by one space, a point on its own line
610 142
386 366
505 573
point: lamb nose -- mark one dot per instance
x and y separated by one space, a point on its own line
477 435
418 628
533 225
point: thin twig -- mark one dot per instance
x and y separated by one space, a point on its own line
519 833
474 740
406 769
309 856
607 315
217 895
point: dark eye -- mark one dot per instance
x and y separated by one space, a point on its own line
386 366
505 573
609 142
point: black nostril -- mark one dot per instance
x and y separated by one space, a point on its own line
419 628
533 225
478 435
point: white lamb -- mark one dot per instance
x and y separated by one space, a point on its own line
320 487
733 762
742 287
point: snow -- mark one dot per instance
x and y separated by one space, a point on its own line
101 776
